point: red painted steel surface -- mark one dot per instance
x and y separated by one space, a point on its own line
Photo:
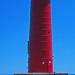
40 40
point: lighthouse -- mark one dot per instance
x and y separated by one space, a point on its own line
40 61
40 38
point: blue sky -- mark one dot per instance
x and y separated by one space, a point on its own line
14 32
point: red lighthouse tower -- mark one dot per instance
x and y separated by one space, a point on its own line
40 40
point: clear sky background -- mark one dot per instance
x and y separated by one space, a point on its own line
14 32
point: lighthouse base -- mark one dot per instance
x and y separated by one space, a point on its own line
43 74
